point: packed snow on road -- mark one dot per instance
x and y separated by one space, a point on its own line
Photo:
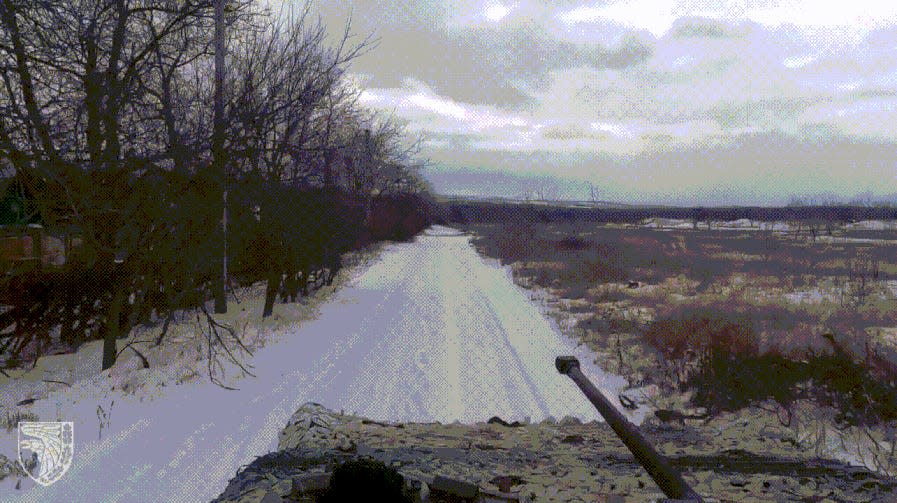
430 331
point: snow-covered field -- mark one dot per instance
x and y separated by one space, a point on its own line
429 332
747 224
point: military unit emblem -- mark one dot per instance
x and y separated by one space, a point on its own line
52 443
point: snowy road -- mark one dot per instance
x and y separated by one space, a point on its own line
431 331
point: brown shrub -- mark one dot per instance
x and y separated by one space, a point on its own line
572 243
721 358
721 351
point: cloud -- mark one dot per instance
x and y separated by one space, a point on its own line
619 82
699 27
429 113
768 168
497 12
849 18
571 132
800 61
871 118
463 55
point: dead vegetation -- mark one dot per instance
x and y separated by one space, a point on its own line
731 319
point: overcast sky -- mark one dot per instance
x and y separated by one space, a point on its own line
650 101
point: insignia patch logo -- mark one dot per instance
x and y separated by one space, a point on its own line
52 443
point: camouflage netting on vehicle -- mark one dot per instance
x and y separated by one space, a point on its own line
549 461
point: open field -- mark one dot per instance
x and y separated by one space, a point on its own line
769 318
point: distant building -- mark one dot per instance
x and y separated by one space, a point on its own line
30 199
17 205
25 222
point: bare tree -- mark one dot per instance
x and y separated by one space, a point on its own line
593 195
218 167
114 116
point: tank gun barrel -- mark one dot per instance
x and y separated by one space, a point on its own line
657 466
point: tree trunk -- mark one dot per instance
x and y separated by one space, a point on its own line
67 331
8 15
271 293
288 282
113 325
218 154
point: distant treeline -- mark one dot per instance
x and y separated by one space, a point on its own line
487 211
121 125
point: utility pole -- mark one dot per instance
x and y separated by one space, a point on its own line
368 169
218 168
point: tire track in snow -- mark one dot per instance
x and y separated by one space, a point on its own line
482 347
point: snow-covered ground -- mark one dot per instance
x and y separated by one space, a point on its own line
747 224
429 332
873 225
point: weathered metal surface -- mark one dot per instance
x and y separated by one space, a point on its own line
657 466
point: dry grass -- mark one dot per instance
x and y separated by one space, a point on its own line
11 421
734 317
